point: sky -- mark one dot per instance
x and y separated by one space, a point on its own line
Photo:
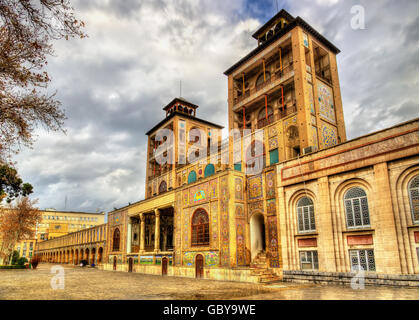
114 84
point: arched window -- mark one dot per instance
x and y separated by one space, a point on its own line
414 198
209 170
261 79
200 228
356 208
264 120
305 214
195 135
192 177
255 157
162 187
116 239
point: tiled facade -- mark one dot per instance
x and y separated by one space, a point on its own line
320 207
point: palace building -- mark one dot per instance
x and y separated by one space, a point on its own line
285 196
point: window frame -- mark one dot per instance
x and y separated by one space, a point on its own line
367 262
311 257
302 207
359 199
410 189
200 232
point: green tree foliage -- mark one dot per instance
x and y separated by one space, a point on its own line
11 185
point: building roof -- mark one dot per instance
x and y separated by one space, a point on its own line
183 115
281 14
181 100
292 24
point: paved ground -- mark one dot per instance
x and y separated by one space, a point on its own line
86 283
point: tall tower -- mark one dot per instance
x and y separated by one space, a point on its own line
181 120
288 86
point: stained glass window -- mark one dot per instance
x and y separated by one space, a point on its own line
414 198
305 214
200 228
116 239
356 208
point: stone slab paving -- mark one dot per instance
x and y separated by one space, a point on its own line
88 283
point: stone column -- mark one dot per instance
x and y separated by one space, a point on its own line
129 235
157 231
142 233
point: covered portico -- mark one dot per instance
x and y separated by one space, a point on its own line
150 229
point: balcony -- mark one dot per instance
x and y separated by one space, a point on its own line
275 79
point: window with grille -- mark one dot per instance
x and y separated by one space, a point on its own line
362 258
414 198
356 208
200 228
305 214
309 260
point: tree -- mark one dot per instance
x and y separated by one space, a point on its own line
17 223
11 185
27 29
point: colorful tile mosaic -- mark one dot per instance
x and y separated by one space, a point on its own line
273 242
273 143
211 259
270 184
146 259
186 218
254 207
178 228
328 135
241 242
271 206
198 194
240 211
289 122
311 97
188 259
185 197
326 104
273 131
254 185
224 221
238 186
213 189
214 224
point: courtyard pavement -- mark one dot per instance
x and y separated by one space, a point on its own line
92 284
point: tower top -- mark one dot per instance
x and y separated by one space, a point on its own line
278 26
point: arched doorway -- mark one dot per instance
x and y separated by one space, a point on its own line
114 263
164 263
81 254
130 263
199 266
92 260
257 235
76 259
86 254
99 255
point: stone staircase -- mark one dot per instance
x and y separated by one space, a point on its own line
259 267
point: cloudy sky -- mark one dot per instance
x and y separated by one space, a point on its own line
114 84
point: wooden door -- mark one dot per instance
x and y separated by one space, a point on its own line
114 263
199 266
164 263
